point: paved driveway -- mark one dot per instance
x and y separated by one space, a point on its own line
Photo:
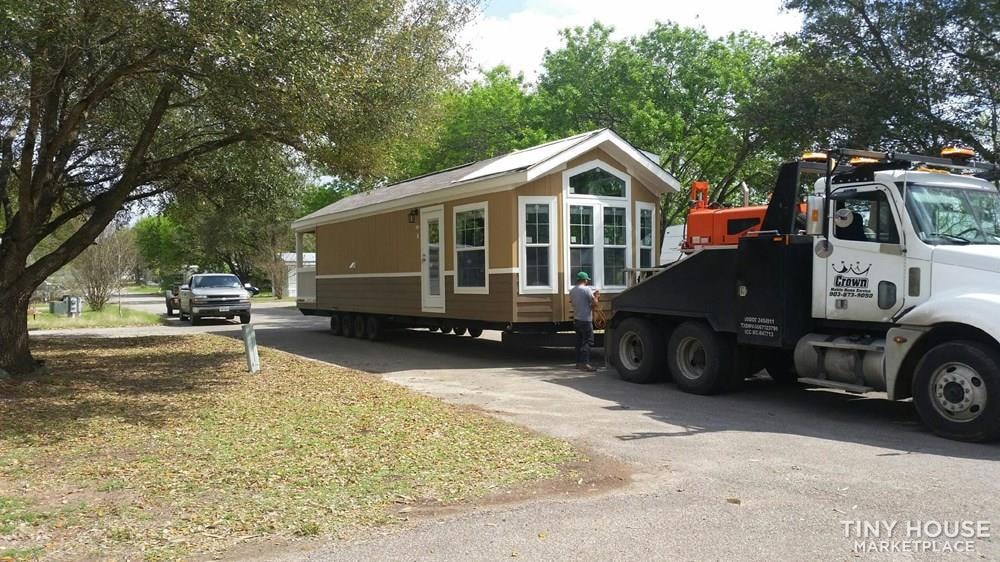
761 474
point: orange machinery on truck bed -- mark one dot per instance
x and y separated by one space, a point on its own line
711 225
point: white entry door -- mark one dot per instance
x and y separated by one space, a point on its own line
432 258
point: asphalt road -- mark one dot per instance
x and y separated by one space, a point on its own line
764 473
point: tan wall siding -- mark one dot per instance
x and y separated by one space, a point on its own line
401 295
385 243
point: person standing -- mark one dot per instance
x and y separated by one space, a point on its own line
583 297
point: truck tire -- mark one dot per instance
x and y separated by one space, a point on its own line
245 318
359 326
956 391
700 359
195 319
180 315
170 310
475 332
637 351
460 330
335 324
374 328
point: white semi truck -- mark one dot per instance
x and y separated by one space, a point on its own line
886 277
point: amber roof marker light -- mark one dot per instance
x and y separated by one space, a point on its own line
958 151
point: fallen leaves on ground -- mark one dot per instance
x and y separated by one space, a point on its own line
166 447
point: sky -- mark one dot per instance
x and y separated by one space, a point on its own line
517 32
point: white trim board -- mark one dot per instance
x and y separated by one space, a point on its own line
352 275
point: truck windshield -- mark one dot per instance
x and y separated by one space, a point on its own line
217 282
948 215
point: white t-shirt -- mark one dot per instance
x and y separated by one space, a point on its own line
582 298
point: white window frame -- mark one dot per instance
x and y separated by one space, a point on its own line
599 203
522 243
639 207
485 289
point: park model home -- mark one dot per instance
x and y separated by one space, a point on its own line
493 244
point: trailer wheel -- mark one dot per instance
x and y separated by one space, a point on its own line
460 330
359 326
374 328
335 324
346 326
636 351
475 332
700 359
447 327
956 391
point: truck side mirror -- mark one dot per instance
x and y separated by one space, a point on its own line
843 218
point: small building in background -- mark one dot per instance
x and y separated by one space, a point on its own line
308 260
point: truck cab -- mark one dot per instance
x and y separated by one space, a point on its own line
218 295
890 282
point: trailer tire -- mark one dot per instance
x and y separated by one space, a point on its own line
346 326
335 327
956 391
359 326
637 351
460 330
374 328
475 332
700 359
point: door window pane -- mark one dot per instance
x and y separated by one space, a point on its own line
614 266
870 218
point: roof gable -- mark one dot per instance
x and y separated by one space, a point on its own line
502 172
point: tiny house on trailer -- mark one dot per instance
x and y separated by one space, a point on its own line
493 244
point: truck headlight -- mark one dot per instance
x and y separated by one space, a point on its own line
200 300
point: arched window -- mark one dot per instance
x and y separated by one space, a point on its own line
597 181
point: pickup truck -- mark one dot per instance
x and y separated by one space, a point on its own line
217 295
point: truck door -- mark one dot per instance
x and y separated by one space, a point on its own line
864 272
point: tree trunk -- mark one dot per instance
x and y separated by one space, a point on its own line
15 355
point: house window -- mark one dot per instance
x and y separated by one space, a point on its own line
646 243
471 242
599 226
581 239
537 219
597 181
615 246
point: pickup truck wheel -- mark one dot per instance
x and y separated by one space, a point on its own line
637 351
956 391
374 328
335 324
244 318
195 320
359 326
475 332
700 359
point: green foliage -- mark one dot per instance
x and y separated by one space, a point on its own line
490 117
159 244
891 74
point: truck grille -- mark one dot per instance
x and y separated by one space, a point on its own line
223 300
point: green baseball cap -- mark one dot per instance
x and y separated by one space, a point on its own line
582 276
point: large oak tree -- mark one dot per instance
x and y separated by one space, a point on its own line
102 101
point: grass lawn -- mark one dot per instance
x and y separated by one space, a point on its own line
107 318
164 448
142 290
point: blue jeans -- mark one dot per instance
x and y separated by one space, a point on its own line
584 340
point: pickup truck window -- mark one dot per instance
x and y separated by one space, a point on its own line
216 282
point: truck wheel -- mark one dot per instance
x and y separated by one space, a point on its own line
359 326
245 318
700 359
180 315
374 328
335 324
475 332
170 311
195 320
460 330
637 351
956 390
346 326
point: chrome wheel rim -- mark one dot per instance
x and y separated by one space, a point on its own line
630 351
691 358
958 392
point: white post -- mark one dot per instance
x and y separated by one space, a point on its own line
298 251
250 344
